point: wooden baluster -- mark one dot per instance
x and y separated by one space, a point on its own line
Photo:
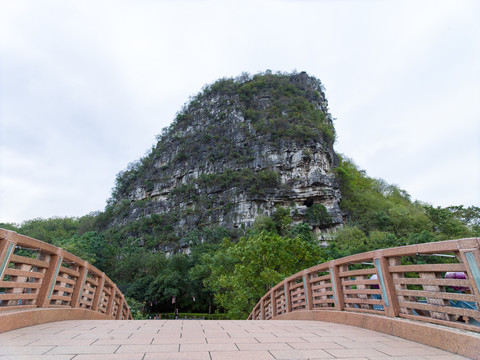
49 279
111 300
120 308
337 287
79 285
387 286
97 298
288 299
262 309
308 291
274 303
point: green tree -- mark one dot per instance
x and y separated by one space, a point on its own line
137 308
175 281
317 214
350 240
89 247
446 224
241 273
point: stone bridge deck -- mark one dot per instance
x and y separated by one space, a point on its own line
207 340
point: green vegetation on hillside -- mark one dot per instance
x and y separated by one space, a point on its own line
290 114
381 215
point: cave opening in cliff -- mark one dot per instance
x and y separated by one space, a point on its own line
308 202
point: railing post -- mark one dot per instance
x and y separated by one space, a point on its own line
120 308
111 301
273 302
79 285
7 247
288 300
97 297
262 309
337 289
49 279
308 291
387 286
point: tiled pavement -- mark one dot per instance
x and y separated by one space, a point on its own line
207 340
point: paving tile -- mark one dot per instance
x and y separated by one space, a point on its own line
64 333
346 353
241 355
208 347
416 357
315 345
444 357
201 355
323 338
146 340
228 340
14 334
300 354
101 349
147 348
109 357
364 358
216 334
56 341
349 344
168 334
280 340
24 350
22 341
94 335
165 340
264 346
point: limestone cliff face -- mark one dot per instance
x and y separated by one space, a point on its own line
238 150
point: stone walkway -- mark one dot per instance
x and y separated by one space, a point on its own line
207 340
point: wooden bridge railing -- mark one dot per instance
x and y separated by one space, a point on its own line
34 274
384 282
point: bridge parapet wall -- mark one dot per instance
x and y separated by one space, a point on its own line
418 282
38 275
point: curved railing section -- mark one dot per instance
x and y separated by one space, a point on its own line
37 275
433 282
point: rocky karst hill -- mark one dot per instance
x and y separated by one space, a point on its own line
237 150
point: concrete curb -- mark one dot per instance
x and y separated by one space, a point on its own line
12 320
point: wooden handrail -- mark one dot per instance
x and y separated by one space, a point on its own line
35 274
384 282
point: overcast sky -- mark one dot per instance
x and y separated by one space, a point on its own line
86 85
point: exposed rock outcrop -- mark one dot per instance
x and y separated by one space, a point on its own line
237 150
